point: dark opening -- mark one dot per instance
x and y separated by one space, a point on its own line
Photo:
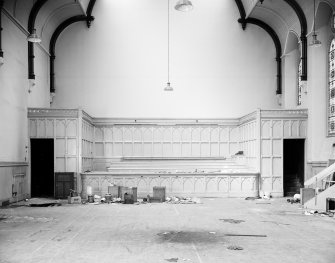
294 155
42 167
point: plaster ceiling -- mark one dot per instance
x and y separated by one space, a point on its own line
281 17
276 13
50 16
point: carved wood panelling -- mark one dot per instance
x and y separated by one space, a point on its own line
273 132
14 183
64 131
87 141
185 185
177 141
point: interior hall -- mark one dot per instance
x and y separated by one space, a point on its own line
167 130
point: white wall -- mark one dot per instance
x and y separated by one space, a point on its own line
14 96
320 147
118 68
290 73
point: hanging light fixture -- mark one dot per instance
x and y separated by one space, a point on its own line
33 37
168 84
184 5
315 42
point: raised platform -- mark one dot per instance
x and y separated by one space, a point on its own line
213 177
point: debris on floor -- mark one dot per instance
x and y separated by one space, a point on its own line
311 212
172 259
182 200
295 199
265 195
252 198
232 221
315 212
234 247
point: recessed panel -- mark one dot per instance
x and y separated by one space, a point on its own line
224 134
277 167
195 134
99 149
49 128
206 134
108 134
195 149
118 149
186 149
60 147
109 149
266 169
138 149
266 148
214 149
60 127
265 130
167 149
147 134
33 128
72 146
128 149
205 149
277 129
277 147
71 164
138 134
99 134
71 128
215 135
41 129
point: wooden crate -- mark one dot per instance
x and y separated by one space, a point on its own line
159 193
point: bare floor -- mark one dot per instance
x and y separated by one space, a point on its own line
218 230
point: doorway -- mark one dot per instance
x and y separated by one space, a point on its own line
42 167
294 163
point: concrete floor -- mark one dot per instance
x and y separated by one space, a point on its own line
190 233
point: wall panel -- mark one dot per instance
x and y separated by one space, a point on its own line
275 127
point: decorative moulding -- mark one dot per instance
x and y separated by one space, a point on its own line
44 112
284 114
13 164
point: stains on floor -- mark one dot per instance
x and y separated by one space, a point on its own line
232 221
234 247
190 237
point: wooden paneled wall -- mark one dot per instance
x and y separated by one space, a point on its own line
223 185
84 143
275 127
160 141
87 141
64 131
14 184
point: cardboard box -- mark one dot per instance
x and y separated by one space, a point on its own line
74 199
114 191
306 194
159 193
129 191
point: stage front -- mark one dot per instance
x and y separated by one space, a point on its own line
210 177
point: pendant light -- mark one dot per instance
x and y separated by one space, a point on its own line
33 37
315 42
184 5
168 84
